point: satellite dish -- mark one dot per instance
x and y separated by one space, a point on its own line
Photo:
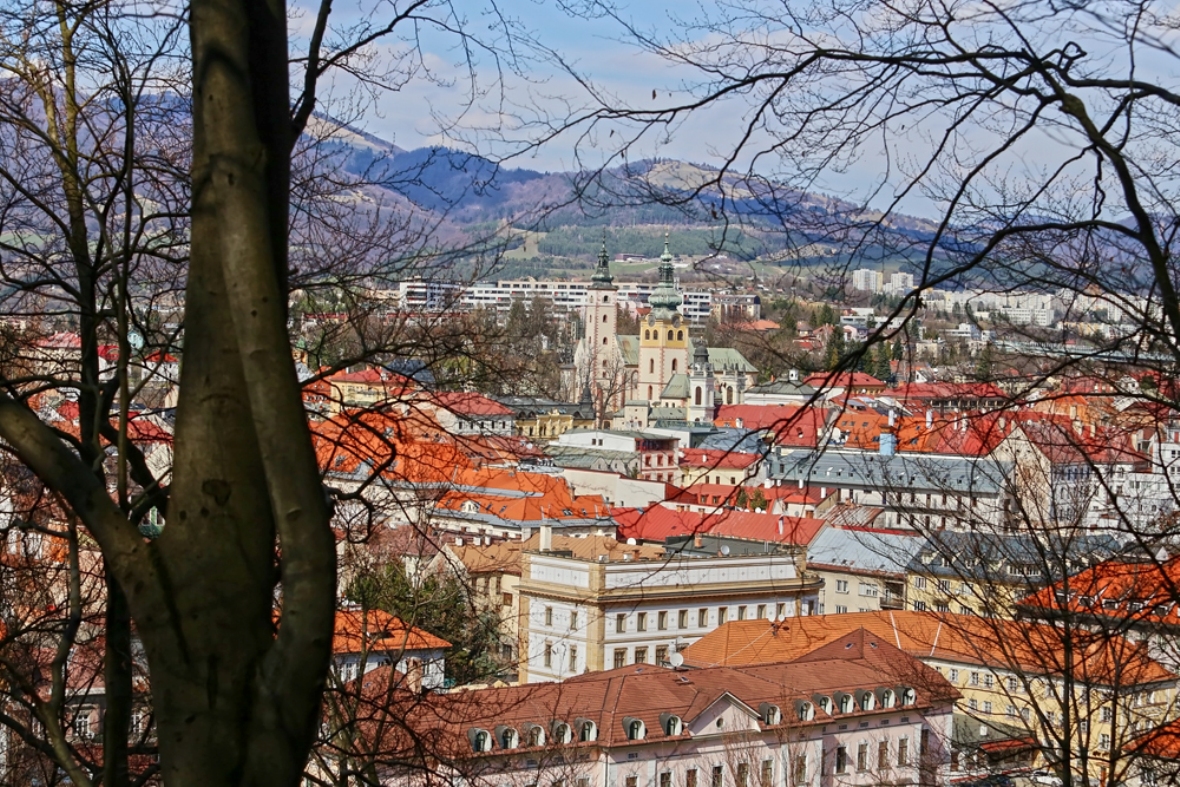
676 660
631 542
725 551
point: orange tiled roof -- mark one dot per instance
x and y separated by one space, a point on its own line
379 632
1127 591
1035 648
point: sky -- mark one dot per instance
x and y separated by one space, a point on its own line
436 96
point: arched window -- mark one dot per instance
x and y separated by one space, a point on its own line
673 364
867 701
562 733
603 363
606 299
634 730
673 725
604 341
669 336
604 318
536 736
480 741
806 711
680 336
587 732
508 738
846 703
888 698
647 334
908 697
826 704
698 395
729 395
651 366
649 392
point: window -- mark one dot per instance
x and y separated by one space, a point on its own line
573 620
989 680
841 609
620 657
641 655
742 612
662 621
82 725
870 589
846 703
632 781
780 610
548 655
973 704
641 621
919 606
862 757
690 777
722 615
635 730
548 616
761 611
743 774
903 752
841 760
702 618
662 654
573 658
682 619
987 706
974 678
666 779
766 777
883 754
1104 742
942 606
1106 713
800 768
953 677
620 623
718 776
920 583
1010 710
841 585
507 599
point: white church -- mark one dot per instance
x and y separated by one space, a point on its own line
661 374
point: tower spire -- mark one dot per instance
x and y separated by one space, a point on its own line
664 299
602 278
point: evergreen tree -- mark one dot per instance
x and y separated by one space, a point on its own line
984 363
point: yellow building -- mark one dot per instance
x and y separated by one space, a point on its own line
1072 691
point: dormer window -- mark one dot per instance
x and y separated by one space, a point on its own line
825 704
846 703
908 696
509 739
806 711
635 729
481 740
770 714
673 725
888 698
587 731
471 507
867 701
536 736
562 733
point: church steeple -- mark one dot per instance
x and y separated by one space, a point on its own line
602 280
664 299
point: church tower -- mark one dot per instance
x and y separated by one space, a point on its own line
601 323
699 408
663 337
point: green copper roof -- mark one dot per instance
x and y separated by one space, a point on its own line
601 280
664 299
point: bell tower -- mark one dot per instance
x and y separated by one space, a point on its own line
700 387
601 323
663 336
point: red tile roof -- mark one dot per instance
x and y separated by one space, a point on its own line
658 524
375 631
715 459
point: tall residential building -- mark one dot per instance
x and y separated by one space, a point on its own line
867 280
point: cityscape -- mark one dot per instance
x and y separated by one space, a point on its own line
504 394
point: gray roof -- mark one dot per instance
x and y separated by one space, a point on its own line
677 387
722 357
864 550
629 349
783 388
908 472
1009 558
590 458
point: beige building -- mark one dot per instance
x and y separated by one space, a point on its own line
589 604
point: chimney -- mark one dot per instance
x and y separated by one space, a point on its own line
414 675
892 418
696 540
546 537
780 525
929 418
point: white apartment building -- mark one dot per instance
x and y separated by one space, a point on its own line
603 604
867 280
